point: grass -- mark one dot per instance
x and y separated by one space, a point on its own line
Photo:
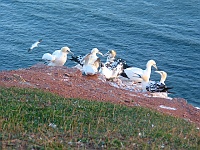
32 119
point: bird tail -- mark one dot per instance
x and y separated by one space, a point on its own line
169 88
123 74
76 59
166 89
48 56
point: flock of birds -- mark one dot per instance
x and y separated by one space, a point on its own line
113 67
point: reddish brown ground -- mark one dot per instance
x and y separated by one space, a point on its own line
70 83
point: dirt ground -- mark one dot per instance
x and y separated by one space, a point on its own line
70 83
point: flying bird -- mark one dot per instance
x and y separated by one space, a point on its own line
35 45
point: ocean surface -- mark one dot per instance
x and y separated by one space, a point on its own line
167 31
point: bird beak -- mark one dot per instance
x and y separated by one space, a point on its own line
155 67
71 53
100 53
106 54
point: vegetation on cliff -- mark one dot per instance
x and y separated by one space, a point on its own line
33 119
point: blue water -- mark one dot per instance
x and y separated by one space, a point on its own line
167 31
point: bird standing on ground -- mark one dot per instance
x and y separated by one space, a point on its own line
153 86
92 57
112 61
110 57
90 68
58 57
35 45
133 72
111 73
158 86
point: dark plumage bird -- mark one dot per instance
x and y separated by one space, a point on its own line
112 61
111 73
159 86
77 59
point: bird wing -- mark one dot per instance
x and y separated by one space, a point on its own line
84 57
157 87
92 59
56 53
48 56
106 72
89 69
133 72
77 59
34 45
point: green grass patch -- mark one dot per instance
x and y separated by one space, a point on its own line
33 119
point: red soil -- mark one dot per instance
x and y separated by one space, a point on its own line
70 83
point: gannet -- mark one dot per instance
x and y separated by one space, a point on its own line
90 68
158 86
132 72
153 86
58 57
92 57
35 45
112 61
111 73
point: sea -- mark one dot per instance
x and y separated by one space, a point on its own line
167 31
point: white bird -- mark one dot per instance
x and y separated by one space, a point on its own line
163 75
111 73
90 69
133 72
58 57
35 45
92 57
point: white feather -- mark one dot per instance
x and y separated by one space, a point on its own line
58 57
48 56
34 45
135 74
111 73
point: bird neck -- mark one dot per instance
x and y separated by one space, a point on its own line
162 80
148 71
